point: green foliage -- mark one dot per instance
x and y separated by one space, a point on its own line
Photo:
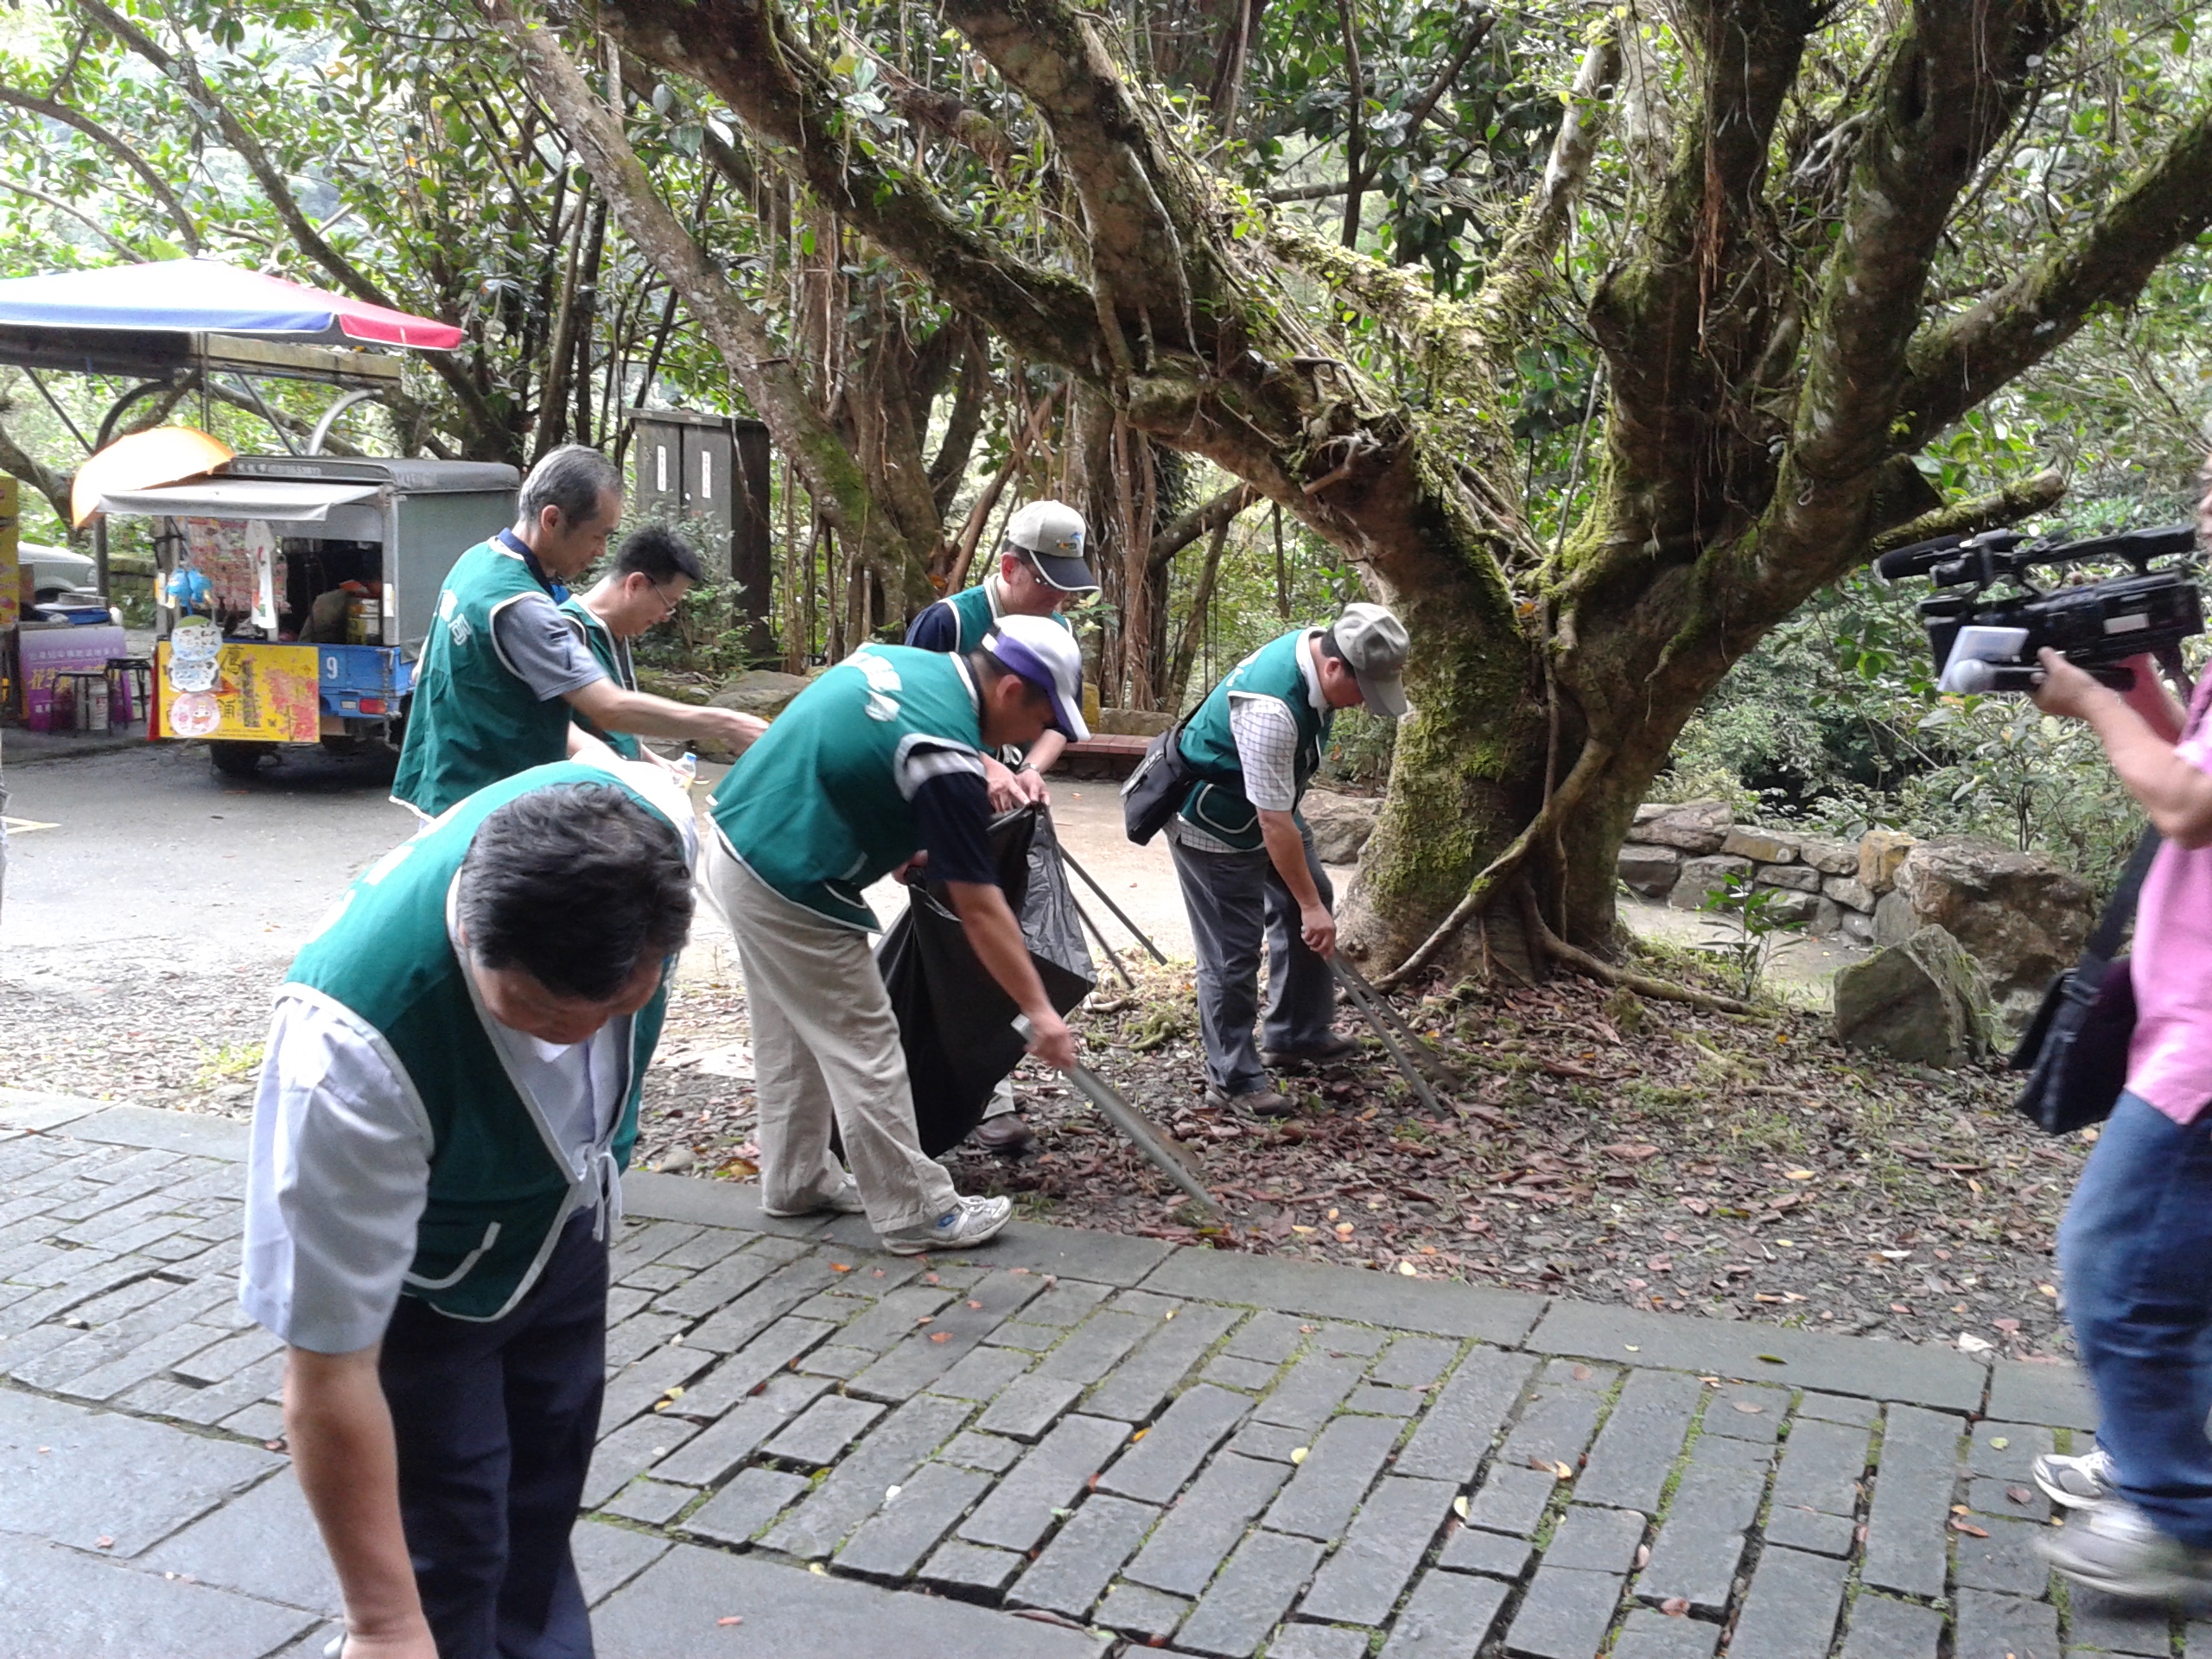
1752 946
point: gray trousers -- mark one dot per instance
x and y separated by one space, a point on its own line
1236 900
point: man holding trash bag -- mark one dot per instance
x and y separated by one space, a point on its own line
874 768
502 669
1041 567
450 1093
1244 858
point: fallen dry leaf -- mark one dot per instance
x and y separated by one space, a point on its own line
1676 1607
940 1335
1748 1408
1968 1527
731 1619
2019 1495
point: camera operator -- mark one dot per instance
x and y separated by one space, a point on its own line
2136 1247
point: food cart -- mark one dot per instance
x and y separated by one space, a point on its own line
296 587
294 592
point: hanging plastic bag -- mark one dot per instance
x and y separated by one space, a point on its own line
955 1022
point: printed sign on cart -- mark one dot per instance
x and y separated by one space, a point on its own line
247 693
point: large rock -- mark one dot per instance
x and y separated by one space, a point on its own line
1788 908
1847 891
2020 915
1341 823
1695 827
1649 870
1797 878
1829 857
1131 723
762 691
1702 876
1880 852
1760 845
1922 1000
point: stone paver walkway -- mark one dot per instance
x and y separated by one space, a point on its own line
1068 1444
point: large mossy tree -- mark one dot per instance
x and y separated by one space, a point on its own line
1801 240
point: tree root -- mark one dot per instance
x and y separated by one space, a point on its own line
1583 963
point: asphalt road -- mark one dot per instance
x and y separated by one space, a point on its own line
149 854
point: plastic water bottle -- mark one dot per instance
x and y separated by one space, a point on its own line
688 764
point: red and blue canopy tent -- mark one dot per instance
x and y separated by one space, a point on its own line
180 321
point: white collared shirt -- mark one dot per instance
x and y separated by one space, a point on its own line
1267 750
340 1167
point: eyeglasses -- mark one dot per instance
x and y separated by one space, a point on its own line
668 606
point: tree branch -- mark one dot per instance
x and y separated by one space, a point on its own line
1201 520
180 67
1522 271
84 218
1965 358
148 173
769 377
746 53
1054 55
2006 506
20 462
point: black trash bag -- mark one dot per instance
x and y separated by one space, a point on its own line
955 1023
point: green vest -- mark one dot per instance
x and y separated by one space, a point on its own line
613 655
971 608
500 1187
1216 803
473 719
818 808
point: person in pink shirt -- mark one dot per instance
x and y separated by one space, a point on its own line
2136 1248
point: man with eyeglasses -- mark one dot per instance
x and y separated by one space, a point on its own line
653 569
503 669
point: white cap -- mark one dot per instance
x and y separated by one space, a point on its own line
1052 534
1045 654
1373 644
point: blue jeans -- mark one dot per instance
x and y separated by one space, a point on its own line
2136 1249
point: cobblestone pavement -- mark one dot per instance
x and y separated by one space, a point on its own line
1072 1444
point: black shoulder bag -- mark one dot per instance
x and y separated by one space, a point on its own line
1153 792
2076 1049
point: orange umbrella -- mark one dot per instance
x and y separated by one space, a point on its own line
161 454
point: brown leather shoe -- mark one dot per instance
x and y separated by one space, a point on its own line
1334 1048
1259 1103
1005 1134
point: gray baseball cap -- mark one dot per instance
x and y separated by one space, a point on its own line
1373 644
1051 533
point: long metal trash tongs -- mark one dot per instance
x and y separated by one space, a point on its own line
1132 1123
1381 1018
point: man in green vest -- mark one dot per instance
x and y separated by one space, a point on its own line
1245 859
502 669
448 1098
1040 569
874 768
653 569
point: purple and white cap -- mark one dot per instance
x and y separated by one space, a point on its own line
1044 653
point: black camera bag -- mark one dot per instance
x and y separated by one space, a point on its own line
1154 793
2076 1049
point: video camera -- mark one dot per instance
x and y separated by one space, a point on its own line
1985 641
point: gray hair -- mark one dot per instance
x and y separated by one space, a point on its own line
572 478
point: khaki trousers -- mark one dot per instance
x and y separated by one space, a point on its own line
825 1048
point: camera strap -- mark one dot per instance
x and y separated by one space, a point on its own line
2120 909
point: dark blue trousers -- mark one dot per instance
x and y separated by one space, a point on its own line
2137 1251
495 1424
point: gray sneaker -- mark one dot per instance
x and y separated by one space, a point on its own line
2114 1547
845 1201
970 1221
2076 1483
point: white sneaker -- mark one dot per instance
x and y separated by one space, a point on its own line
970 1221
845 1201
2075 1483
2113 1547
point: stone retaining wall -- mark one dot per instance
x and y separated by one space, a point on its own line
1680 852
